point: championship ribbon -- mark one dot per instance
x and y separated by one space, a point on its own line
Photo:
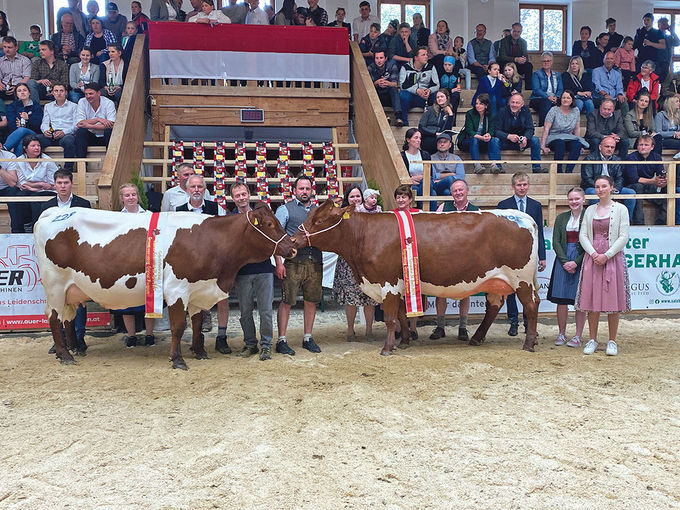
240 157
153 264
261 172
220 197
199 158
410 264
331 170
308 167
177 159
282 171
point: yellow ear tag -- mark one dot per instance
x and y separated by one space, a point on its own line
335 204
255 222
345 216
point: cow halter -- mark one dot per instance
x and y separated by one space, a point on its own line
309 234
276 243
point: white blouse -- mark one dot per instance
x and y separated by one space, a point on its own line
42 172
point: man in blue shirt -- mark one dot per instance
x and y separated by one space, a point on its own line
608 83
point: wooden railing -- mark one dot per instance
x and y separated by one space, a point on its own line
124 155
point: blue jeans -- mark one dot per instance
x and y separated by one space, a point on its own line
13 142
474 145
630 204
66 142
443 186
389 96
585 104
409 100
513 312
260 287
75 95
534 144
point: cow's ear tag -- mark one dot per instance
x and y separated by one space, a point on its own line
345 216
335 204
255 222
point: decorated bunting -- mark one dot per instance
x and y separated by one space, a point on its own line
308 167
199 157
220 197
282 171
177 159
331 170
261 172
410 264
240 157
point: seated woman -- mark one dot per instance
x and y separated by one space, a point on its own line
33 179
209 14
562 131
439 117
640 121
412 152
490 85
112 74
667 123
478 134
576 79
586 50
23 118
511 78
440 45
645 79
546 87
82 73
98 41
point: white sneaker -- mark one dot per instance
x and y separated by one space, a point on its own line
612 349
561 339
574 342
590 347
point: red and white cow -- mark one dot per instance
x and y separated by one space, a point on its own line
100 255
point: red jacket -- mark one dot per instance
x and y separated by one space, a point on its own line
635 85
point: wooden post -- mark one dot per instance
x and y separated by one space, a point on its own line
166 139
552 191
82 179
670 189
427 172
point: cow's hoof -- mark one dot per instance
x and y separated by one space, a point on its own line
404 345
80 353
180 364
476 342
386 353
201 355
67 361
528 348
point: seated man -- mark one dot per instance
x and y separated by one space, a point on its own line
606 122
400 49
514 49
385 76
603 162
178 195
68 42
256 16
31 49
114 22
608 83
369 44
515 130
319 14
480 52
46 73
419 82
649 179
8 185
448 167
14 68
59 124
385 39
95 117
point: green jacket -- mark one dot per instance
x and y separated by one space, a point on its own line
450 207
472 123
560 238
506 44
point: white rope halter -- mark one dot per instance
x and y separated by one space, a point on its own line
309 234
276 243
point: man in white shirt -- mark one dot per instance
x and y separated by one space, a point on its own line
95 116
59 123
178 195
256 16
362 25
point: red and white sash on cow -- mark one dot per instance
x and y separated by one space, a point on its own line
410 264
154 256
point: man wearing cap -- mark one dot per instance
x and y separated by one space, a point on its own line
114 21
448 167
515 130
385 38
649 42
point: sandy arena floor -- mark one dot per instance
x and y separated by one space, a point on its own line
441 425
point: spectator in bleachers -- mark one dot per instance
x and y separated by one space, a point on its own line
8 184
98 41
666 123
515 130
603 161
562 131
67 42
313 18
269 10
497 44
80 21
418 82
46 72
4 26
511 77
82 73
645 79
340 21
649 42
128 42
624 59
449 81
256 16
400 49
385 76
496 89
369 44
300 16
3 119
606 122
448 168
33 179
319 14
168 10
440 45
92 11
237 12
114 21
31 49
112 74
608 83
600 45
389 33
14 68
576 79
410 153
58 125
95 118
178 195
671 87
666 54
196 8
436 119
647 179
420 34
514 49
140 19
23 118
639 121
210 15
546 87
362 24
615 39
479 134
480 52
585 48
286 15
460 66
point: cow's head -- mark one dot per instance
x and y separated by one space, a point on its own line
322 220
263 220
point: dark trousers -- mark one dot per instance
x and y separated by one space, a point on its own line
561 147
513 312
478 70
16 227
660 204
541 105
66 142
389 96
84 138
526 70
26 213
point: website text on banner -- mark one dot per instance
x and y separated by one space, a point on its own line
22 297
248 52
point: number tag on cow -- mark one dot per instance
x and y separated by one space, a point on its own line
64 216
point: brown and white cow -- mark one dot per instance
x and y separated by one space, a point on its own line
461 253
100 255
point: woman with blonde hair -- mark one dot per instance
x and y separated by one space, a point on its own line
667 123
578 81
